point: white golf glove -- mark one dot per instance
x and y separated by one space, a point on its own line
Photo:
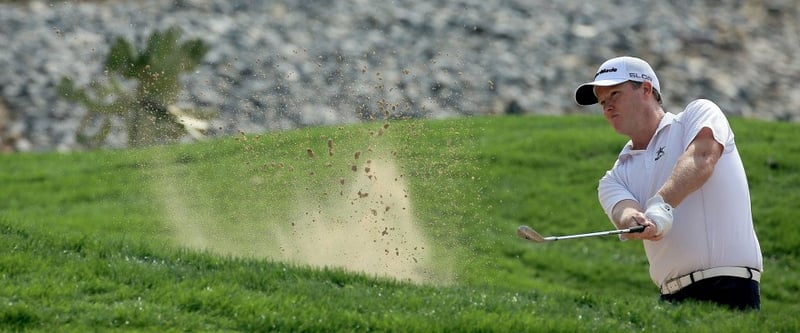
660 213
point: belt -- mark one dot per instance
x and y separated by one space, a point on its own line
676 284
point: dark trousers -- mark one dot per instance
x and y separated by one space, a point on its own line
734 292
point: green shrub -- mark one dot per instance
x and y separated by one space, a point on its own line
149 110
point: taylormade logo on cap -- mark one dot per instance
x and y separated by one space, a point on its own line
605 70
613 72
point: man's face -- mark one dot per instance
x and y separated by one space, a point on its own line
623 106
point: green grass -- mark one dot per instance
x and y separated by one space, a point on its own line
220 235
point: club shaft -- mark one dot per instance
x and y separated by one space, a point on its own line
594 234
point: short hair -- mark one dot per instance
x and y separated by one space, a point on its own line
637 85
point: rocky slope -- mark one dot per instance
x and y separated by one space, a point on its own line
285 64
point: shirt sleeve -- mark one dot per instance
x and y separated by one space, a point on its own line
703 113
611 190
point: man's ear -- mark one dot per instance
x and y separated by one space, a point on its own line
648 86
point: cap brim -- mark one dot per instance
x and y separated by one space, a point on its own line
584 95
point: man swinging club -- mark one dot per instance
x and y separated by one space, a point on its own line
680 176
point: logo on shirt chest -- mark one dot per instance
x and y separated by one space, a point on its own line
660 153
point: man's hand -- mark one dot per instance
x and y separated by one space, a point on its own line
650 228
660 214
628 214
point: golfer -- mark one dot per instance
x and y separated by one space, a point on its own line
681 177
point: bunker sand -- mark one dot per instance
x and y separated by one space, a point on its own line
367 226
370 229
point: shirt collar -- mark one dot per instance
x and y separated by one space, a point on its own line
628 151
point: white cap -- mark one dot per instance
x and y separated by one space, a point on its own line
615 71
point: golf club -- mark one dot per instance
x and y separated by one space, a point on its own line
533 236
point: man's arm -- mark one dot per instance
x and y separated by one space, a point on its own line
628 213
691 171
693 168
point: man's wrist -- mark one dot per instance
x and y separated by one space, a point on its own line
660 213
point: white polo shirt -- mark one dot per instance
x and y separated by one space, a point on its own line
713 226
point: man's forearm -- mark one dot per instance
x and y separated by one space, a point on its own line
693 169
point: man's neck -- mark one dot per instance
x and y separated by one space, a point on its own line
642 139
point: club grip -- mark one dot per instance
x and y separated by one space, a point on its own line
636 229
